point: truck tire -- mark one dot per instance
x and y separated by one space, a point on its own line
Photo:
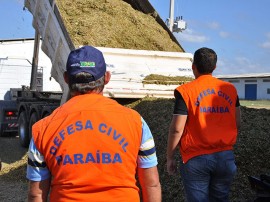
23 129
33 119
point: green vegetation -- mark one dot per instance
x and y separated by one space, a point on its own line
256 103
114 24
166 80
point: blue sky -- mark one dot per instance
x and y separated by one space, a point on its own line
238 30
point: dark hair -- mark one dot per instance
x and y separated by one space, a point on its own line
86 87
205 59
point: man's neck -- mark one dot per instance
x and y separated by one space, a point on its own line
199 75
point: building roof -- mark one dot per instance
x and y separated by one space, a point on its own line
239 76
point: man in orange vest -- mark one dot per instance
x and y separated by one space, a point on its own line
204 127
91 148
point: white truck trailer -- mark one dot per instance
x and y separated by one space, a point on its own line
129 67
15 73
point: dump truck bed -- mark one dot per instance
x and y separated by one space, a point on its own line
129 66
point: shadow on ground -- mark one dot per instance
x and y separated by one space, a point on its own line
11 150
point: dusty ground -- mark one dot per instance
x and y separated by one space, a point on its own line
252 153
13 185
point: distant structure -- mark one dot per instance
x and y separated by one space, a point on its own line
250 86
177 24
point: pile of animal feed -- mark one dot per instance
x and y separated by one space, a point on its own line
115 24
251 150
166 80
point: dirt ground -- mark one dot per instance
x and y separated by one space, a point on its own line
252 153
13 185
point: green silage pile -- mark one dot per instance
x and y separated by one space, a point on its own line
113 23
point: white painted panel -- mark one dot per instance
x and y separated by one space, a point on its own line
16 65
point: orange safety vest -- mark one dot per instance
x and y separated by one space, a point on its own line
211 123
90 145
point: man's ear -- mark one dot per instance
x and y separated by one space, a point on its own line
193 66
195 70
107 77
66 77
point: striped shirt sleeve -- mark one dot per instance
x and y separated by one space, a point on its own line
36 167
147 155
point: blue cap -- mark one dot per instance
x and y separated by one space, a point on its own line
86 59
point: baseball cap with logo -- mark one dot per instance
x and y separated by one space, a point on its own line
85 59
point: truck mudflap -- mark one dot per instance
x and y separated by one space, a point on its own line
13 126
8 128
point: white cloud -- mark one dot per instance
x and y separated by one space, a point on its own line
190 36
239 65
242 60
220 62
266 44
20 2
246 64
224 34
268 35
213 25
